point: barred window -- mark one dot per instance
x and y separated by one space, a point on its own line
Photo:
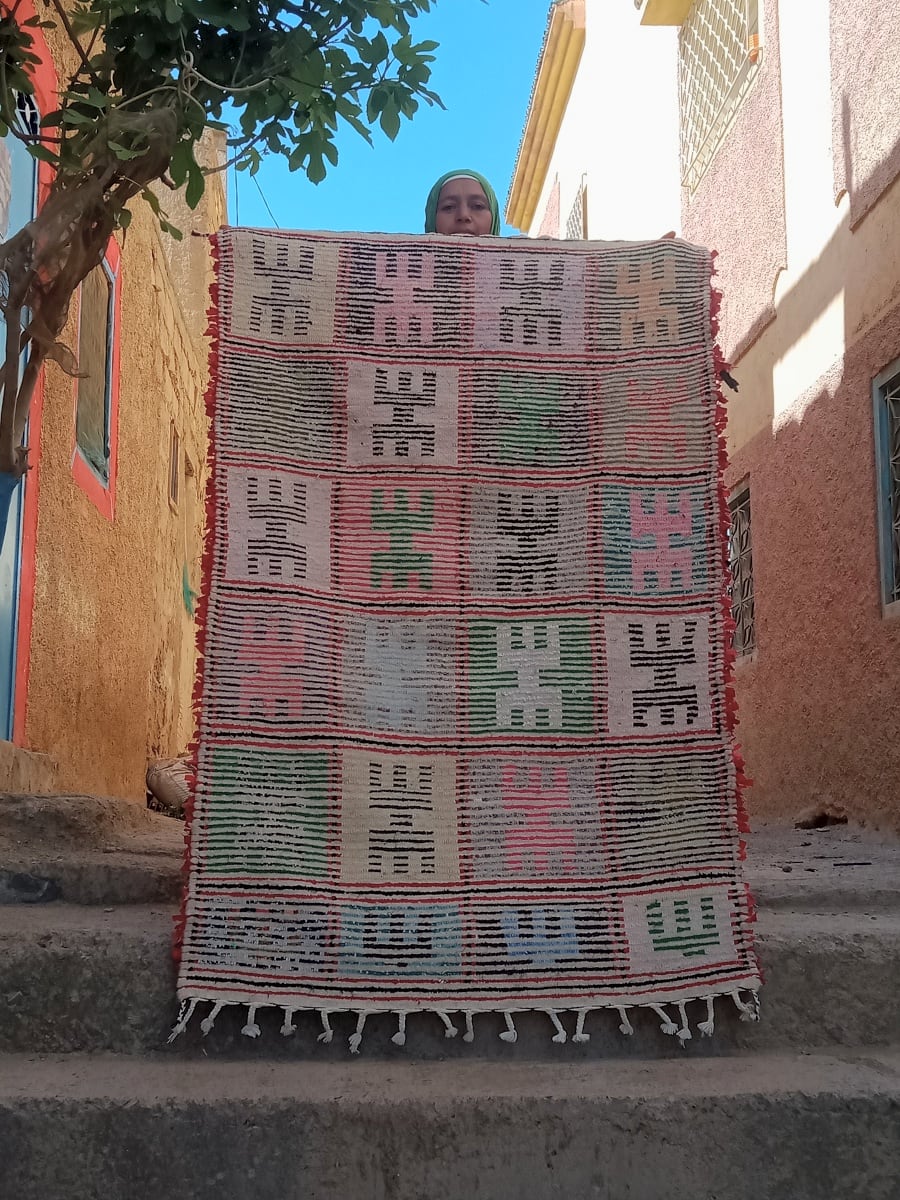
718 56
576 224
740 554
887 431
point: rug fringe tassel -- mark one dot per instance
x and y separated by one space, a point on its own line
749 1012
684 1033
509 1033
579 1035
708 1027
450 1030
356 1038
207 1023
560 1036
399 1038
745 1000
668 1026
184 1016
251 1029
326 1037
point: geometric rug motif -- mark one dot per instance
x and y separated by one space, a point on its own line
465 734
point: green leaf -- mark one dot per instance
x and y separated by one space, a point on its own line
390 119
182 158
196 186
152 199
123 153
376 102
74 117
316 169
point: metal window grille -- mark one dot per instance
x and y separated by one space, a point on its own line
887 401
740 553
576 224
718 55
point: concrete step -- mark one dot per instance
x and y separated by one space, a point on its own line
793 1126
80 978
838 868
96 850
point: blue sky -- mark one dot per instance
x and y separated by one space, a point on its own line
483 73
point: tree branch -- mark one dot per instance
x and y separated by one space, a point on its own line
8 457
73 38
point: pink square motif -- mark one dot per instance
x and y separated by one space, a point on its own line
399 536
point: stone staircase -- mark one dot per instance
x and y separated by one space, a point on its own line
93 1103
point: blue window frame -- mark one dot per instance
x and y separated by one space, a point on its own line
18 204
886 395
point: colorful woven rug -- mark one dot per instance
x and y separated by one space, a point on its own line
465 726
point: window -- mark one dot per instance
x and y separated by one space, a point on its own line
887 434
576 225
97 389
18 204
718 56
174 466
740 555
95 355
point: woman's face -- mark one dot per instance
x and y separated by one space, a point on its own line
463 208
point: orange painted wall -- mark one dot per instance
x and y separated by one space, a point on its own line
112 646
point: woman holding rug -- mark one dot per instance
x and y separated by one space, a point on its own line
462 202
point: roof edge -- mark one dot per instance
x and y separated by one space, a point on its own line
554 77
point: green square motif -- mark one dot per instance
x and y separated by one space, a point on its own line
267 813
531 676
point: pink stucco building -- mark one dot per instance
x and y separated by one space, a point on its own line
786 127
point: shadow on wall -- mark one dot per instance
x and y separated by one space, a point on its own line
844 269
818 702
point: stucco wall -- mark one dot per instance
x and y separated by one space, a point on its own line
112 647
738 206
818 699
811 315
865 42
820 720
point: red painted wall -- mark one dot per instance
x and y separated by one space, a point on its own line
820 705
820 697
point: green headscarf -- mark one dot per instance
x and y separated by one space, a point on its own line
432 202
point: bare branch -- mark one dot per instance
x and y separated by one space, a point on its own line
73 38
8 456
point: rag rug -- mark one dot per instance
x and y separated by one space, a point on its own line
465 718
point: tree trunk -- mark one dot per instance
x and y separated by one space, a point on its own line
44 263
